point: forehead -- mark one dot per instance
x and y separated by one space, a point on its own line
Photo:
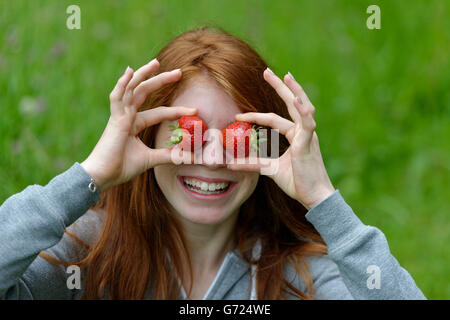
214 104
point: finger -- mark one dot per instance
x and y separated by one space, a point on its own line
284 92
298 91
271 120
146 87
308 123
140 75
154 116
173 155
169 156
117 93
252 164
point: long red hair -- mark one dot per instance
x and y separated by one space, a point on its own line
140 232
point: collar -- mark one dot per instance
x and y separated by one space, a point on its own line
233 268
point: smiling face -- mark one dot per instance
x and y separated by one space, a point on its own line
205 193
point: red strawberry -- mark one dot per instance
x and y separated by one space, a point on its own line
239 136
185 134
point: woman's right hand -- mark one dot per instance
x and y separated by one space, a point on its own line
120 155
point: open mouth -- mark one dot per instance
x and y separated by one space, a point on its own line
200 187
205 187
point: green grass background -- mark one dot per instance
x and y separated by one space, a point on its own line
382 97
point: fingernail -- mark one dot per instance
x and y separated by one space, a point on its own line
268 69
153 61
298 100
290 75
176 70
126 70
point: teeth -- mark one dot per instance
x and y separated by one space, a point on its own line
206 187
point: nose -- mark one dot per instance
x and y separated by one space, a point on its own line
213 155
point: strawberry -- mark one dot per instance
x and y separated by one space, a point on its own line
184 133
239 137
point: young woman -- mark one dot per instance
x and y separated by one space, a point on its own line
143 232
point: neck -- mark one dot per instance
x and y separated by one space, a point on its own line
208 244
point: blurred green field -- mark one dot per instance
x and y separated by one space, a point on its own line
382 97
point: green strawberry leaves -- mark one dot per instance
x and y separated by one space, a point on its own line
255 138
177 135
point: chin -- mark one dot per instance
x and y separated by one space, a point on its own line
209 216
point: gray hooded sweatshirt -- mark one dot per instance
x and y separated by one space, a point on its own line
358 265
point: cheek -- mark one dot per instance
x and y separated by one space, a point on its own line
248 185
164 175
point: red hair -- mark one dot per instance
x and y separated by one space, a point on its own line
139 229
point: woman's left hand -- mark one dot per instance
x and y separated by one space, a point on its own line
300 170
